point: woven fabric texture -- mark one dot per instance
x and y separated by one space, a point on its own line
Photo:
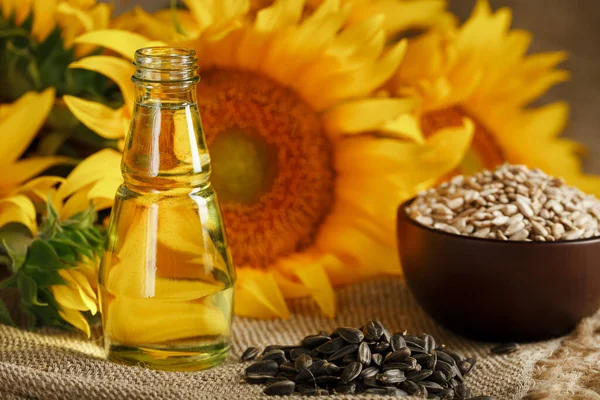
55 365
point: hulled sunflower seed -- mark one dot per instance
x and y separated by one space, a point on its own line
501 204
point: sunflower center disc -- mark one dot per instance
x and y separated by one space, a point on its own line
271 162
485 152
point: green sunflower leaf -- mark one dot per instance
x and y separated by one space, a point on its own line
5 315
29 290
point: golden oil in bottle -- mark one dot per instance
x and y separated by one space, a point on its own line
166 277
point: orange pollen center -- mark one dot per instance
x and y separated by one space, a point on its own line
487 150
271 164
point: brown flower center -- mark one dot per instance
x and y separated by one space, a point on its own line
272 164
485 152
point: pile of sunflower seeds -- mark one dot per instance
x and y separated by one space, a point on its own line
368 360
510 203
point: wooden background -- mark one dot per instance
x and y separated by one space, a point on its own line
572 25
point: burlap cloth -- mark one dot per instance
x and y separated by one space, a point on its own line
55 365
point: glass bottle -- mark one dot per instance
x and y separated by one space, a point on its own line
166 277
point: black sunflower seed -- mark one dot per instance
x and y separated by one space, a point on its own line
377 358
332 346
371 383
364 354
345 388
351 335
398 355
447 394
397 342
351 372
391 377
259 378
429 343
444 356
250 354
369 372
276 355
415 340
464 367
331 369
447 369
421 357
303 361
431 361
338 355
410 387
432 387
505 348
281 388
287 367
417 376
314 341
380 347
267 367
373 331
459 376
295 353
438 377
349 358
455 355
462 391
326 379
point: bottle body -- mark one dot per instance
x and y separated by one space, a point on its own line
166 277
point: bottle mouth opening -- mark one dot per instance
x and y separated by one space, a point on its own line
165 64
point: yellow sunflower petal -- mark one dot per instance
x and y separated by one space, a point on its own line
123 42
43 18
364 115
18 209
291 288
102 119
90 170
405 126
117 69
39 187
355 83
27 168
76 319
25 116
257 295
69 297
412 163
313 275
280 14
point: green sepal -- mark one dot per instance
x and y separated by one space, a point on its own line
29 290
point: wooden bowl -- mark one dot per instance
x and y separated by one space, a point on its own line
497 290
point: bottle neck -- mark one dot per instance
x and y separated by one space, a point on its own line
165 94
165 147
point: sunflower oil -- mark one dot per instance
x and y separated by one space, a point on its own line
166 277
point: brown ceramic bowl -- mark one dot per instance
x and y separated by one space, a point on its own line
500 291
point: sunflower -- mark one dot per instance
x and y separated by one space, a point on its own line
309 159
73 17
480 70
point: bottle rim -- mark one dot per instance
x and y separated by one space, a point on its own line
165 64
